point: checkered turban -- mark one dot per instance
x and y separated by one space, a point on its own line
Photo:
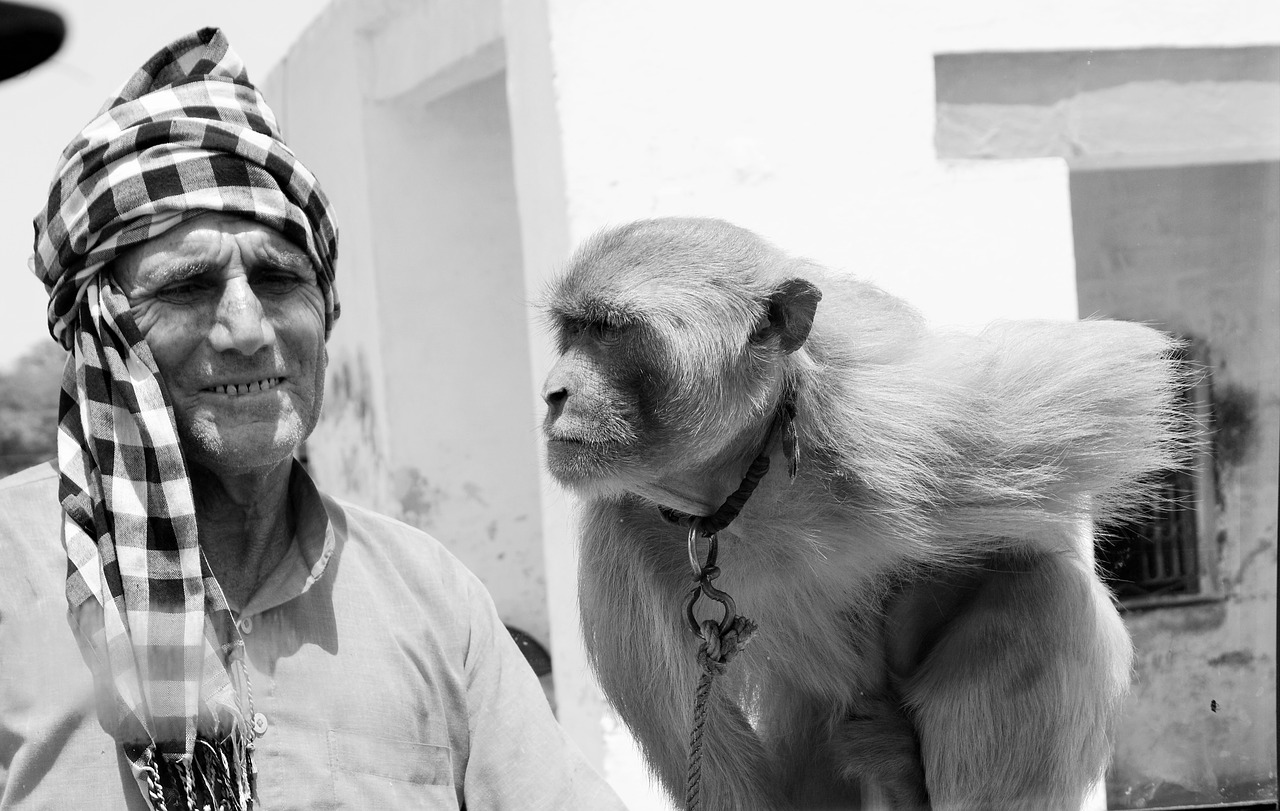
188 134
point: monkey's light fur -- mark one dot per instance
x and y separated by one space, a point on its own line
930 619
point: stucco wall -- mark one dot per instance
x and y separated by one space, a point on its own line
789 126
317 96
452 303
427 401
1197 251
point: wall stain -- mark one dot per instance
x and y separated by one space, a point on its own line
1234 410
345 451
419 499
1245 564
1235 658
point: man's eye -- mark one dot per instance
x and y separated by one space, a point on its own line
182 292
277 282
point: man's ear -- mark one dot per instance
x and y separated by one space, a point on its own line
791 308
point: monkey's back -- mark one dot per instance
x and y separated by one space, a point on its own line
951 438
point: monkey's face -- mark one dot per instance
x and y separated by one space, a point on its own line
671 357
626 402
601 401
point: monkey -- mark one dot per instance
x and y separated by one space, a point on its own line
931 631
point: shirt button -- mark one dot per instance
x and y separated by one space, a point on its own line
259 724
246 625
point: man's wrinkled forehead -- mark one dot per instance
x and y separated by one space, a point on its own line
208 242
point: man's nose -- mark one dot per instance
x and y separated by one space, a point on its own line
241 324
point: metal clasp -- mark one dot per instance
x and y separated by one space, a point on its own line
703 574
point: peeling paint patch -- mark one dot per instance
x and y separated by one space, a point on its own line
419 499
1235 658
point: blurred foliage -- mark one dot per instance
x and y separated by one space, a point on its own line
29 407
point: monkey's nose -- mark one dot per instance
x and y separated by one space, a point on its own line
555 399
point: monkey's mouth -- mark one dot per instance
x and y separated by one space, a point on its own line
565 440
558 435
579 447
570 440
572 458
578 444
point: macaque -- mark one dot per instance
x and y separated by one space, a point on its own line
931 628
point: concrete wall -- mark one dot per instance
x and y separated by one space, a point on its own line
317 96
1197 251
427 402
788 127
1161 106
452 300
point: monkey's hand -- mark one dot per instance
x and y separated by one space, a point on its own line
877 747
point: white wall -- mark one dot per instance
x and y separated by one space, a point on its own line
452 306
316 93
427 411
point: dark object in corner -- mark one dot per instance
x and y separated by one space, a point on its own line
28 36
534 652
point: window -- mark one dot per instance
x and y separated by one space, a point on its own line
1157 557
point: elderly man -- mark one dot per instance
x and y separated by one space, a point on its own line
185 621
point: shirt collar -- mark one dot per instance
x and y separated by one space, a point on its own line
314 543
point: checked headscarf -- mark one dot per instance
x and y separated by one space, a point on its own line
187 134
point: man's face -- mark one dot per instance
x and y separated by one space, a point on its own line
234 316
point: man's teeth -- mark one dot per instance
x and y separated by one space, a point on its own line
247 388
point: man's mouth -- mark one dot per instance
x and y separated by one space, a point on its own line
236 389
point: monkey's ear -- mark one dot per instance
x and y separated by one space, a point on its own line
791 309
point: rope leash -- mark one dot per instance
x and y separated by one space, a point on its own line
720 643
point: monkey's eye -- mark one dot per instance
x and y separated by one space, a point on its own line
606 334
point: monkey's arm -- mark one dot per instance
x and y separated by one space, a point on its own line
631 598
1015 694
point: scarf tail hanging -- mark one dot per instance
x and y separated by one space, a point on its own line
142 509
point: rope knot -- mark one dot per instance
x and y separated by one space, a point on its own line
719 648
